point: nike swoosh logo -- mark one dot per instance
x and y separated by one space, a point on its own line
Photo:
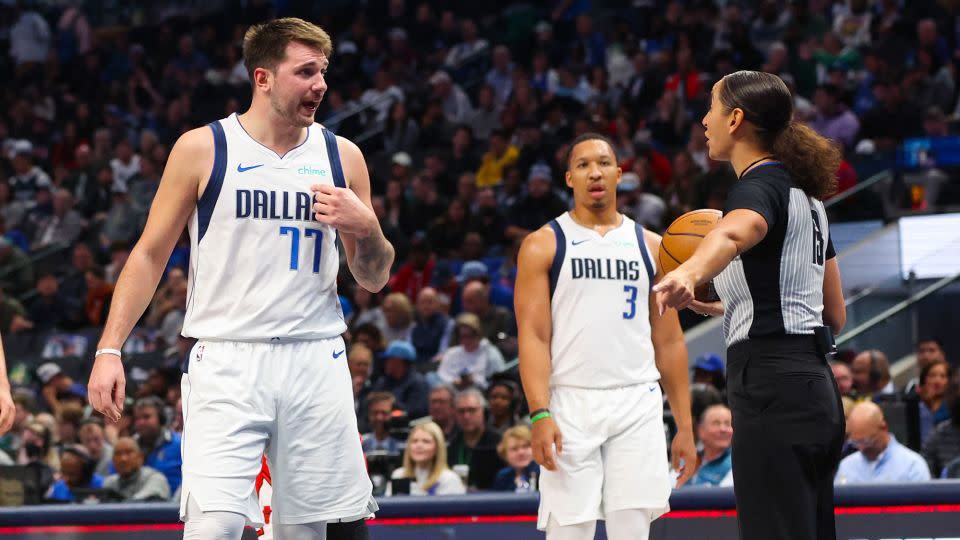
241 168
652 388
578 242
337 354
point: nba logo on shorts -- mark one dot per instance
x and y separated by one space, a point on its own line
200 352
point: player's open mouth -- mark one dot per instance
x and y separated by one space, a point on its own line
597 191
310 106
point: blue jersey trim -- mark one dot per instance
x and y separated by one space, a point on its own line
333 154
208 201
558 256
644 253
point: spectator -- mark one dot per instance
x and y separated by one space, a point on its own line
645 208
521 473
474 445
454 103
871 373
708 369
68 420
833 120
400 132
417 272
77 472
382 96
126 164
486 118
24 403
929 350
63 226
398 317
134 481
402 380
360 363
497 323
380 407
161 446
468 47
122 222
843 376
441 409
500 153
504 398
880 458
474 360
48 309
425 464
932 393
943 445
432 329
447 232
537 207
94 442
99 293
53 382
27 178
143 187
29 38
892 120
715 431
16 267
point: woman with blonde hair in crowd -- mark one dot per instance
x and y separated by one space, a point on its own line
425 464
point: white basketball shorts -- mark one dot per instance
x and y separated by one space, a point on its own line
292 400
614 454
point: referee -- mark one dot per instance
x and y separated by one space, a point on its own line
779 284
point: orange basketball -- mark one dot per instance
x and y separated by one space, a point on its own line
681 240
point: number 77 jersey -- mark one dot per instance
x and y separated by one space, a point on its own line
600 292
261 267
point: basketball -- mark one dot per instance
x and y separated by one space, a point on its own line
682 238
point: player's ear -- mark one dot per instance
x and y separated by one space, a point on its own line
566 177
735 120
262 78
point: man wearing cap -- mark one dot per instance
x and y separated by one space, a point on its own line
500 154
709 370
537 207
27 178
645 208
456 105
478 271
402 380
474 360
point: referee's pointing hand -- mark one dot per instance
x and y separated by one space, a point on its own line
675 290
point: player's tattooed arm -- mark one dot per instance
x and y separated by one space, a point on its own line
372 260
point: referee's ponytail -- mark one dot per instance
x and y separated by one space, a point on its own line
811 159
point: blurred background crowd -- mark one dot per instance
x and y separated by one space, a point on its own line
464 111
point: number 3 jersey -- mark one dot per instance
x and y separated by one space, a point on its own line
600 289
261 267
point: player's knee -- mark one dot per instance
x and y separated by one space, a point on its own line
212 525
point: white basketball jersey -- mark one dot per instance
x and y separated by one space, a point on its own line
261 267
599 303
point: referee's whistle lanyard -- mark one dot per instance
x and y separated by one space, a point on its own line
750 166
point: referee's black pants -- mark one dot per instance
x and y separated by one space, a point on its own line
788 431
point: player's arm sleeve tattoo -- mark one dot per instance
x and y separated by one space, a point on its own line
372 260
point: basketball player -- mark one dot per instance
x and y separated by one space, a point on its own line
591 353
7 408
265 195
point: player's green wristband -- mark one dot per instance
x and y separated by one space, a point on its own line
540 416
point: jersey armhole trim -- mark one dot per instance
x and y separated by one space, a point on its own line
333 154
645 253
208 201
558 256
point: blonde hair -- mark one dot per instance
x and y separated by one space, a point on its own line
265 45
439 459
520 433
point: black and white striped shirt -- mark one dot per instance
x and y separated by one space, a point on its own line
776 287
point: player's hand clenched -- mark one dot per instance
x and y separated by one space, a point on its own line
546 435
343 210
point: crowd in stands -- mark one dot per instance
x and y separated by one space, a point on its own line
464 114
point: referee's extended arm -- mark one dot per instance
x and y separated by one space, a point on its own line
737 232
